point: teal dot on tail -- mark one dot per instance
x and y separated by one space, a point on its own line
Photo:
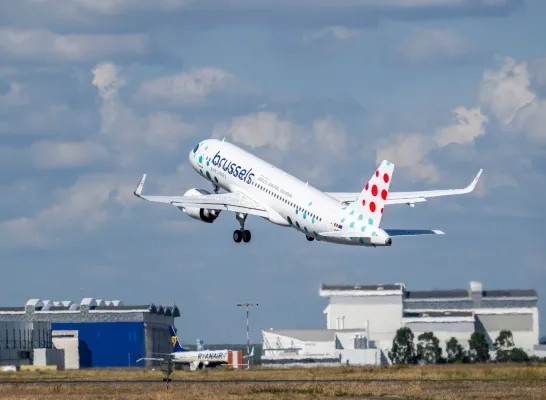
388 162
342 220
352 224
360 217
370 221
352 212
310 203
363 228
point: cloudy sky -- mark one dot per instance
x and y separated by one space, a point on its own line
93 93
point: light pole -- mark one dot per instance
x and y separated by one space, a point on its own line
247 306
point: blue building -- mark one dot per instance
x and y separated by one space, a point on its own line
108 333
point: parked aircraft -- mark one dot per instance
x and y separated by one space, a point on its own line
195 360
256 187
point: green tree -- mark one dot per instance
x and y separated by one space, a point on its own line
517 354
428 348
455 352
503 344
478 348
403 348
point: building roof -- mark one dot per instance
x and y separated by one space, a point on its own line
410 295
391 286
311 335
91 304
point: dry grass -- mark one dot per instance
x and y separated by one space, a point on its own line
491 371
291 391
521 383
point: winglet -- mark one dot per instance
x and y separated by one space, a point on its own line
138 190
472 184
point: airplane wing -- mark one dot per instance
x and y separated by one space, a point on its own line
390 232
235 202
409 198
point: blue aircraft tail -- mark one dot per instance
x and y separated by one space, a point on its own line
174 341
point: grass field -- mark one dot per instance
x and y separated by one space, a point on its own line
501 382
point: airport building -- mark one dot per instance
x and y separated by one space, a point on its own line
375 312
92 333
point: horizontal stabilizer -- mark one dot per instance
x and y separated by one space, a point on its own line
412 232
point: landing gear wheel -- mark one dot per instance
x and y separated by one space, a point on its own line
216 188
309 238
237 236
246 236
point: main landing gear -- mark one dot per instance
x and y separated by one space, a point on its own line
241 234
309 238
216 188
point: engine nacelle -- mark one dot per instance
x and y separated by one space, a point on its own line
201 214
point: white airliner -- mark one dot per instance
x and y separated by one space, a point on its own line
255 187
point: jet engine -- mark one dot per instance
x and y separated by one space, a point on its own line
201 214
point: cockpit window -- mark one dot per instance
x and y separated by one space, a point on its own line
196 147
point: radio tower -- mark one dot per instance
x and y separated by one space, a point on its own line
247 306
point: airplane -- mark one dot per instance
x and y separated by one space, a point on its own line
256 187
195 360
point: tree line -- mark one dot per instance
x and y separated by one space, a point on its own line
428 350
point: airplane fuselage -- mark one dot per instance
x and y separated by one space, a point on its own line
289 201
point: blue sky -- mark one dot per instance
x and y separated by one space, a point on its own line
95 93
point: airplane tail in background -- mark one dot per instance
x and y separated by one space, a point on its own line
174 341
371 201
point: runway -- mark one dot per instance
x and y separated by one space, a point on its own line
256 381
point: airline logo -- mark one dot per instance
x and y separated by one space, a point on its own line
173 340
238 171
212 356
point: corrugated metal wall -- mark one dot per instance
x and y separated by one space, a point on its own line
107 344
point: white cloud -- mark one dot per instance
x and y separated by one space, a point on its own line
340 33
14 97
410 150
331 136
431 45
45 45
126 131
194 87
111 7
51 155
469 125
85 206
508 96
258 130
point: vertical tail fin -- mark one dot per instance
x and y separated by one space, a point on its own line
371 201
174 341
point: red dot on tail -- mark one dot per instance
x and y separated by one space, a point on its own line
372 206
386 178
366 187
381 211
374 190
363 202
384 194
376 173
